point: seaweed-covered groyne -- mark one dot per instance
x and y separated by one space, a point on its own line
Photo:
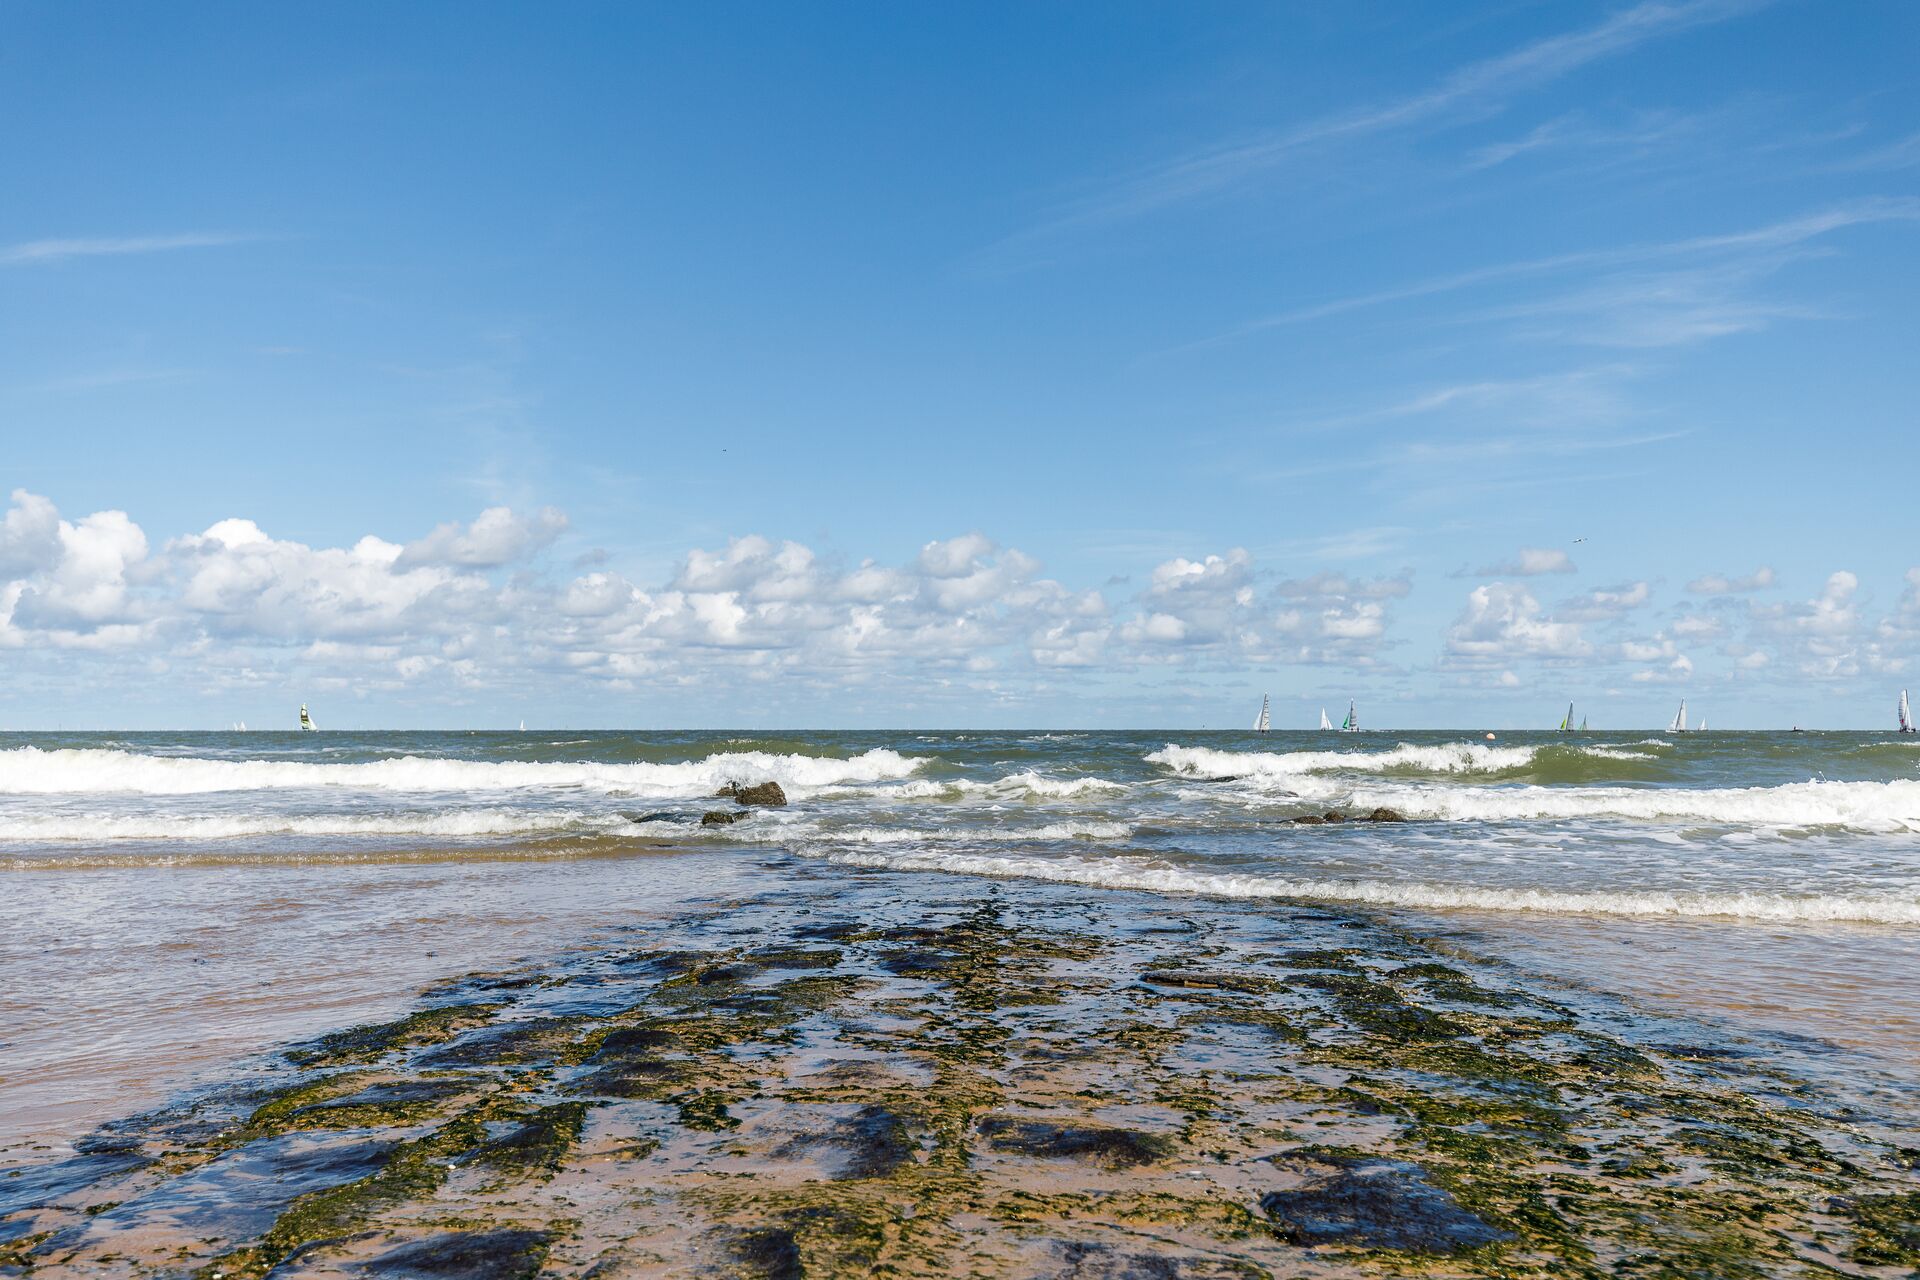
873 1074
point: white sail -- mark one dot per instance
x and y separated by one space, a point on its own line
1679 724
1324 722
1702 728
523 726
1353 719
1906 714
306 721
1260 724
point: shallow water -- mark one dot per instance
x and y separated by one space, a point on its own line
168 901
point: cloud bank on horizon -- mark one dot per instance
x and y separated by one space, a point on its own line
485 613
771 366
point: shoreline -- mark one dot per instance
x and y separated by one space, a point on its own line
851 1072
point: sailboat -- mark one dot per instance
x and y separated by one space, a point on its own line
1679 724
1906 714
306 721
239 726
1324 722
1566 722
1261 725
1583 724
1702 726
1352 724
523 726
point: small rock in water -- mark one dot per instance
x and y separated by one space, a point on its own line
765 793
1386 815
719 818
1309 820
1333 815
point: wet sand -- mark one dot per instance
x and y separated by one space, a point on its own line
125 984
835 1072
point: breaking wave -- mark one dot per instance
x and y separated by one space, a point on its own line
1858 806
1134 873
33 771
1470 761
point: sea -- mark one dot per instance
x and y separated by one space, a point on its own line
171 903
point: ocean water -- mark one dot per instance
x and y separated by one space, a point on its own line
167 899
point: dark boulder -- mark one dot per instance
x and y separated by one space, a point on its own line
466 1255
768 793
1386 815
1333 815
719 818
769 1253
1373 1203
1097 1144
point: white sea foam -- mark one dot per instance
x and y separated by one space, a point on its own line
944 835
468 823
1012 787
30 770
1055 788
1440 758
1858 806
1136 873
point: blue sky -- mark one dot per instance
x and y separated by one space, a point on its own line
906 365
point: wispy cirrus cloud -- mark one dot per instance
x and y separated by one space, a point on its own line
1476 86
41 252
1780 235
1901 154
1573 132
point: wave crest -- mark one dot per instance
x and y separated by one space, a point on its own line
33 771
1553 762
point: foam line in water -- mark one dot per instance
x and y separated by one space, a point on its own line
30 770
1023 785
1133 873
469 823
995 834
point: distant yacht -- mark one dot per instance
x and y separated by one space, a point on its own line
1324 722
239 726
306 721
1566 721
1261 723
1906 714
1679 724
1352 724
523 726
1583 724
